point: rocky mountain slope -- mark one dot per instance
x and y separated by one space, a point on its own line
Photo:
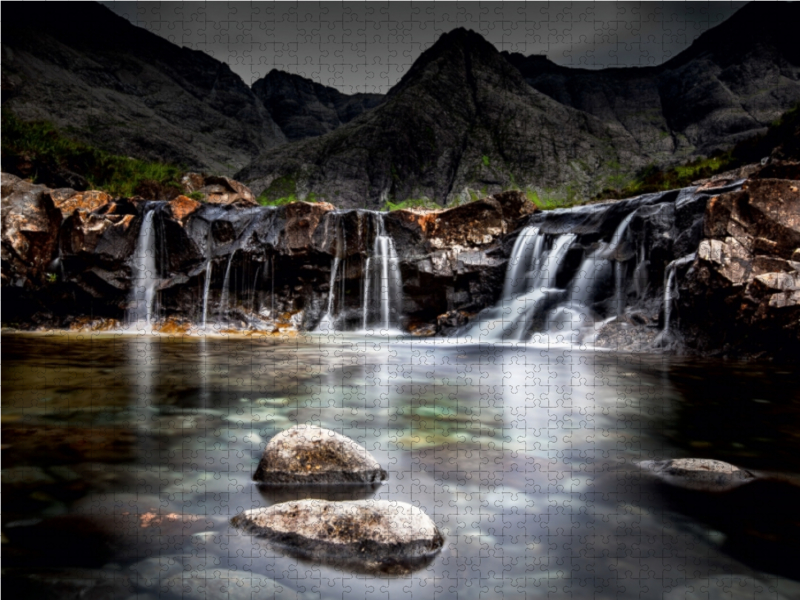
304 108
464 122
461 117
128 91
727 86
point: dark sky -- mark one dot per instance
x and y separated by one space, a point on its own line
367 46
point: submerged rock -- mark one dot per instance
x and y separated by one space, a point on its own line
702 474
371 532
306 454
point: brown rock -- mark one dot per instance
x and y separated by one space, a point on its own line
68 201
223 190
30 225
744 287
192 182
302 220
181 207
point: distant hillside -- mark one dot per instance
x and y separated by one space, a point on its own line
727 86
461 122
126 91
464 121
462 117
303 108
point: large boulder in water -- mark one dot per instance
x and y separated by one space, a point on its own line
377 533
306 454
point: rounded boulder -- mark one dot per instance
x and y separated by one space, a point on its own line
306 454
373 533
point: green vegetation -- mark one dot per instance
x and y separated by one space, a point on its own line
783 135
264 200
485 161
282 190
196 196
548 199
36 150
411 203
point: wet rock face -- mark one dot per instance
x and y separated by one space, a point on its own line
700 474
30 223
306 454
374 533
744 288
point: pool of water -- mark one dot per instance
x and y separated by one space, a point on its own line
124 458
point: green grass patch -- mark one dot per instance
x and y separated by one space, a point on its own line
37 150
550 199
264 200
411 203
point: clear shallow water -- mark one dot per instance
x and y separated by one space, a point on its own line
124 457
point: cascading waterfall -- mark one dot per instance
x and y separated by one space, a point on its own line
223 301
382 302
619 266
530 282
328 321
670 295
144 271
209 266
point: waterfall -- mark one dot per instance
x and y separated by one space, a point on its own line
272 286
253 307
619 266
365 299
529 286
329 320
209 267
384 299
223 301
525 260
670 295
144 275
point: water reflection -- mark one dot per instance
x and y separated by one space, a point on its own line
144 448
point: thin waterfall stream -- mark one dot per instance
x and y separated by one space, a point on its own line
144 273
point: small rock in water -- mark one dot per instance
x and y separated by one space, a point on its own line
371 533
306 454
701 474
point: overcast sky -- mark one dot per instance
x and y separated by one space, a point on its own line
367 46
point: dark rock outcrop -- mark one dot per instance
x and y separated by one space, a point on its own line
304 108
127 91
30 223
743 292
